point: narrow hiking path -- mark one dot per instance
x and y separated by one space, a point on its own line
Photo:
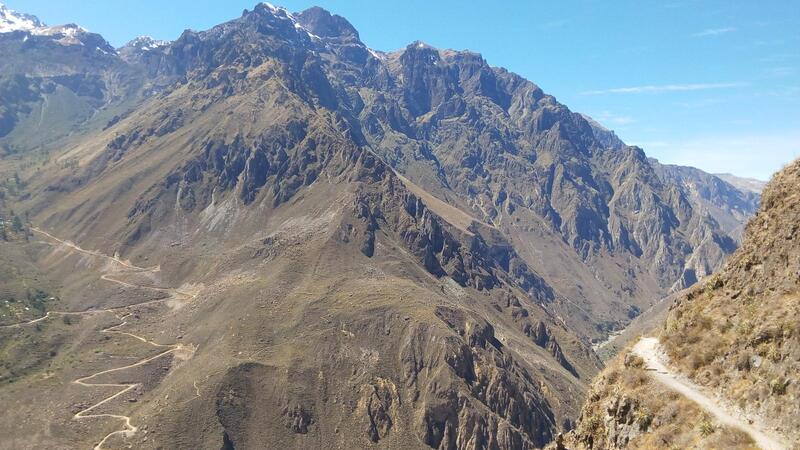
649 349
114 258
86 413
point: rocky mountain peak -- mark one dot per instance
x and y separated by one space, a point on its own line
265 8
66 35
146 43
142 47
326 25
11 20
607 137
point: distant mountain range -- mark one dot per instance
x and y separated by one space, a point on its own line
396 247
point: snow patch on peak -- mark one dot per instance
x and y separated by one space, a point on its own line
284 14
11 20
421 45
146 43
278 10
68 34
376 54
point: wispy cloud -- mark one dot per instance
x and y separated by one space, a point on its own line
714 31
653 89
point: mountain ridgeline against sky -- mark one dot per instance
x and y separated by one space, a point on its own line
331 246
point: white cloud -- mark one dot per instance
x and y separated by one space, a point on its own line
665 88
714 32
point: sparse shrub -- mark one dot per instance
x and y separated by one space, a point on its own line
714 283
66 319
705 322
743 362
695 361
645 420
634 378
16 224
634 361
774 353
778 386
706 427
595 423
612 377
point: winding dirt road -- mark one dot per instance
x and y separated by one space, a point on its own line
86 413
657 363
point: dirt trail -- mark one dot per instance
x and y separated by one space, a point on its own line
114 258
129 428
657 363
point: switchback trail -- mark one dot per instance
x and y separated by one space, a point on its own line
86 413
656 362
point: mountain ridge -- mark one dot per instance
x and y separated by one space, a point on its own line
411 246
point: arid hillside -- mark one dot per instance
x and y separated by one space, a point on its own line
268 232
735 336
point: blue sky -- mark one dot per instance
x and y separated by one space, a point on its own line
713 84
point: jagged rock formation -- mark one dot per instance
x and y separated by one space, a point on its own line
727 205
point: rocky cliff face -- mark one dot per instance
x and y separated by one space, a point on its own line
729 206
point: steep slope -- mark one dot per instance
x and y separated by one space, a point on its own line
325 304
735 335
730 206
288 236
728 199
482 139
738 335
497 146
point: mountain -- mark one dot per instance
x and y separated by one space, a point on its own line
65 77
13 21
608 138
735 335
744 184
730 206
727 199
269 232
